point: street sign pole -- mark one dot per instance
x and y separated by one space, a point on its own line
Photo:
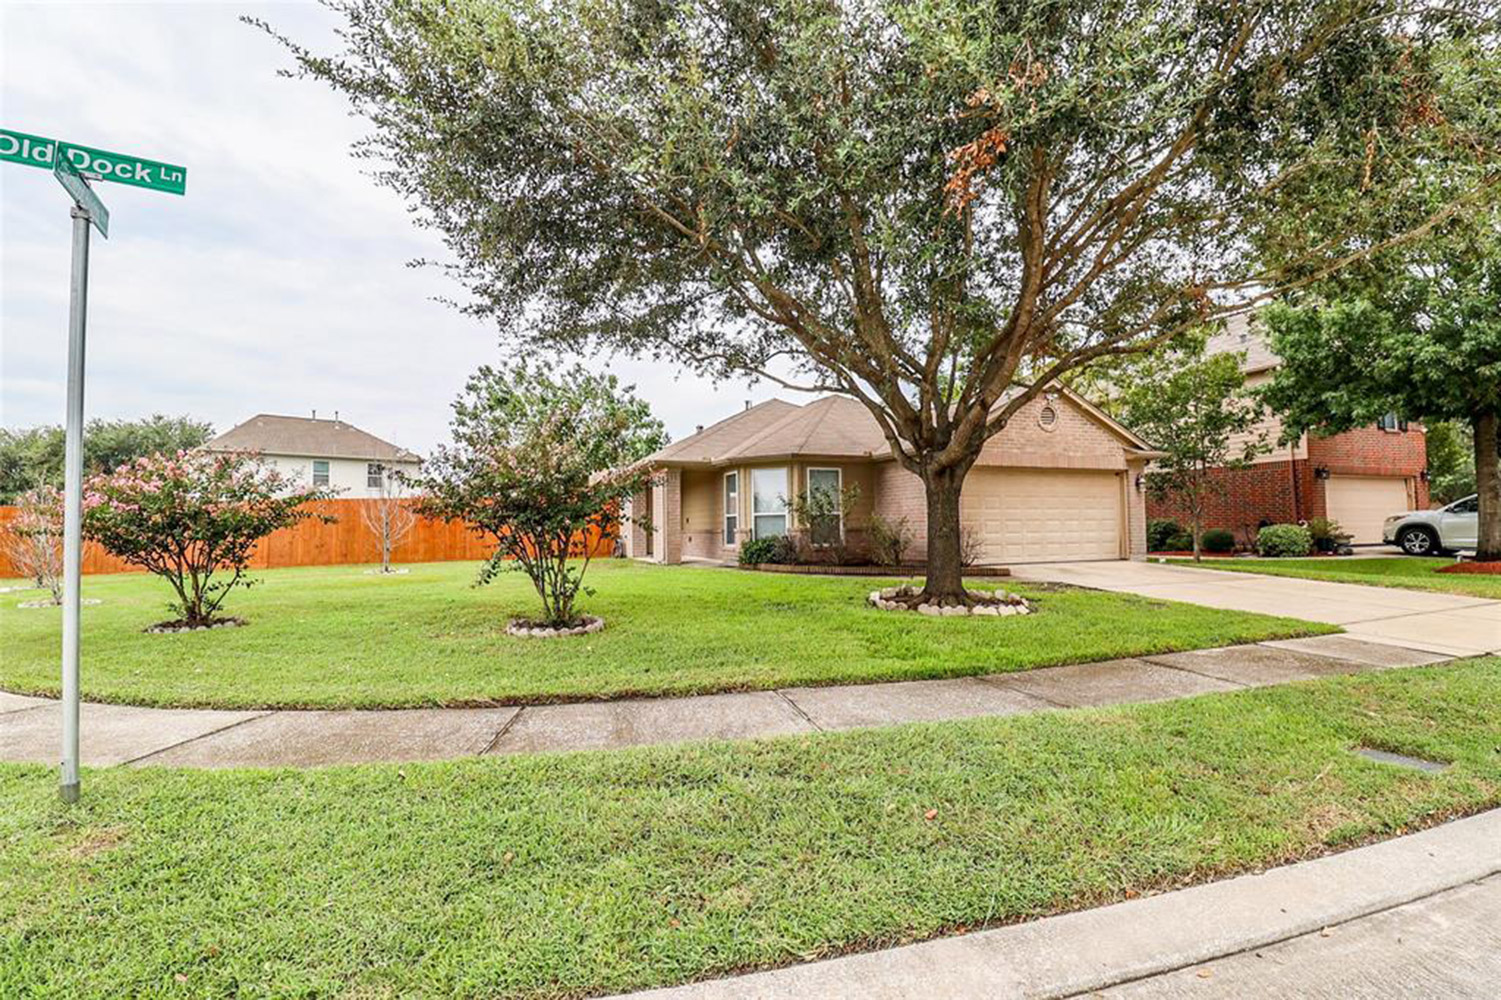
78 305
72 164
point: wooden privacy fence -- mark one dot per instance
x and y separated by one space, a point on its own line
314 543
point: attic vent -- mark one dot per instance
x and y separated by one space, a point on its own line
1047 417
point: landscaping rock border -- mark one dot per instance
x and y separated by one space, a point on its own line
829 569
165 628
531 630
988 604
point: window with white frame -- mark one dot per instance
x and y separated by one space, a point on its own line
374 475
1392 422
826 527
769 502
320 472
731 507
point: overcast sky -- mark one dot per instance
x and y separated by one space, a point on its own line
279 282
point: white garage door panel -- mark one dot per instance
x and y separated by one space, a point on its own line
1361 503
1043 516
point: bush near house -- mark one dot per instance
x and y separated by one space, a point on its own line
775 550
1160 533
1218 541
1277 540
1327 535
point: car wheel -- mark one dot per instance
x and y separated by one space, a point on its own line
1419 542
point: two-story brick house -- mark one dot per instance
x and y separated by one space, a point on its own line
1356 478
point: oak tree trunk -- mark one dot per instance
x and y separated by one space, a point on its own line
945 582
1488 485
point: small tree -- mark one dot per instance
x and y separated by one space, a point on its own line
389 514
34 539
542 465
187 516
824 513
1194 410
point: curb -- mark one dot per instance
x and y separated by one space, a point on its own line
1094 949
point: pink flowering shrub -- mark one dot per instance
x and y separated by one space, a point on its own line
34 539
190 515
540 464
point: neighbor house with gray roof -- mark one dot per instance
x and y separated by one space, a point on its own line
1062 481
331 454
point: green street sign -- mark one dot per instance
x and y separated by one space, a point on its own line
36 151
83 196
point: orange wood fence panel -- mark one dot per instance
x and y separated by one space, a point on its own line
315 543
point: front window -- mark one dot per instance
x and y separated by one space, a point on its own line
374 478
825 519
1469 505
769 502
1392 422
731 506
320 472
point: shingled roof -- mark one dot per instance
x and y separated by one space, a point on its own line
830 427
273 434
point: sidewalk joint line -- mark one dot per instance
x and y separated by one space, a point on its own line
798 709
1004 682
193 739
490 747
26 708
1252 948
1197 673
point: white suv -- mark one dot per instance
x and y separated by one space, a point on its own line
1434 532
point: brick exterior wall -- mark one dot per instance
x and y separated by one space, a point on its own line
1289 490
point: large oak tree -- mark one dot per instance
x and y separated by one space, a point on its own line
936 207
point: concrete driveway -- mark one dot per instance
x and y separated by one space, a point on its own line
1417 619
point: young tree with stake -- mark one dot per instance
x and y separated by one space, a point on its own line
1198 413
935 207
390 515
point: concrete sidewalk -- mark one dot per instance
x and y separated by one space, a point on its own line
1417 619
1317 928
116 734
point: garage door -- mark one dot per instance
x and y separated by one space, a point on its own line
1361 503
1032 515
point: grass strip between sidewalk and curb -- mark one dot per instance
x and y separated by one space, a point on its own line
581 874
339 637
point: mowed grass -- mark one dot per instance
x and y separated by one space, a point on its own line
1399 571
339 636
581 874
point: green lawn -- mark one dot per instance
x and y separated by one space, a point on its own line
1400 571
579 874
337 636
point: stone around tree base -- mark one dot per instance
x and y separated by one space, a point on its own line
393 572
991 604
533 630
182 626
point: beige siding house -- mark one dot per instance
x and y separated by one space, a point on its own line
328 454
1060 482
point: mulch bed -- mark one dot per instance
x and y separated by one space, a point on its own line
906 569
181 625
1492 568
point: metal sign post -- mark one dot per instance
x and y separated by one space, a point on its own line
71 164
78 307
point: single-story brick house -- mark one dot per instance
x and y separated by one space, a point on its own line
1060 482
1357 478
